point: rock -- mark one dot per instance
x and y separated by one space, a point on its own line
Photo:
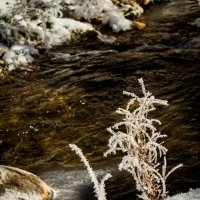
139 25
2 62
3 49
17 184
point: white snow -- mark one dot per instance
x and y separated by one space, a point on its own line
88 9
62 30
103 10
6 6
193 194
19 56
117 21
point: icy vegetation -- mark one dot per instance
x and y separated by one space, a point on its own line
46 23
137 137
99 187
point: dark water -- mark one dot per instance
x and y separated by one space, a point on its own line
72 99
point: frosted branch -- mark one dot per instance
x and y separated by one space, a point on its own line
99 188
140 145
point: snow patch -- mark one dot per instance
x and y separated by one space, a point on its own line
20 56
193 194
63 29
6 6
88 9
117 21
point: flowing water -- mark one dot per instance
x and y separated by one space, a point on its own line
72 95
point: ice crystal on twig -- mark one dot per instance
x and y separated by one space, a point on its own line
137 137
99 187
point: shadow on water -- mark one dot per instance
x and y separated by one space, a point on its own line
72 96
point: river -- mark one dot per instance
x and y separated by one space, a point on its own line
72 94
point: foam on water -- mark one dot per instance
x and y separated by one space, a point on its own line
68 185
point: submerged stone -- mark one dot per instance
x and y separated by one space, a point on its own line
19 184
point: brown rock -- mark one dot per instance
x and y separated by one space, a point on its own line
17 184
139 25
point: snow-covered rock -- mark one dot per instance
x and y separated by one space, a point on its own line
19 184
117 21
19 56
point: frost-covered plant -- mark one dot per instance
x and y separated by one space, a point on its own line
99 187
138 138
